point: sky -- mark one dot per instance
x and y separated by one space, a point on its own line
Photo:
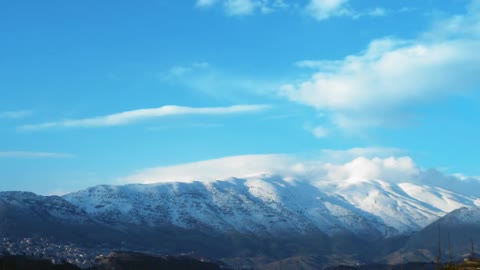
96 91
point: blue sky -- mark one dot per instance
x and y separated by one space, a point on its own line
92 91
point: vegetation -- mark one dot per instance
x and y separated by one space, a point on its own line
117 261
10 262
466 265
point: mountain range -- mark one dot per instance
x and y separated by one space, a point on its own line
257 220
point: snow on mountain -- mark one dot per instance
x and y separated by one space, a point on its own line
276 194
46 206
464 216
232 205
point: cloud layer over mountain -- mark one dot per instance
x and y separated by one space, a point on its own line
330 167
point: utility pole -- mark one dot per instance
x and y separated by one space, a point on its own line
439 256
450 250
473 250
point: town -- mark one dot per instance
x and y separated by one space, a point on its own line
43 248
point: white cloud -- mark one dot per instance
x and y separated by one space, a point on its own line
390 169
370 88
318 9
377 12
129 117
268 6
245 7
23 154
317 64
317 167
342 156
15 114
391 71
206 3
318 170
318 131
178 71
324 9
218 83
239 7
211 170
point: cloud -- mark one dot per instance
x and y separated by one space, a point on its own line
377 12
318 132
342 156
317 64
254 165
239 7
218 83
206 3
371 88
211 170
391 169
22 154
244 7
15 114
332 167
130 117
324 9
318 9
178 71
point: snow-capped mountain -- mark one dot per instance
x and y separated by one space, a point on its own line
272 196
259 205
279 211
273 204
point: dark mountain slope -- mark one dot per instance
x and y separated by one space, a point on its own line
455 231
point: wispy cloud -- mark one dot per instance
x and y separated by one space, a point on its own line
218 83
205 3
320 132
15 114
327 9
370 88
318 9
24 154
130 117
324 9
180 70
244 7
239 7
199 125
378 11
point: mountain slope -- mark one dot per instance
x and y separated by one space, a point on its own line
272 205
453 234
268 215
25 214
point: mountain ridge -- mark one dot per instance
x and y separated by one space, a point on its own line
365 220
269 204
